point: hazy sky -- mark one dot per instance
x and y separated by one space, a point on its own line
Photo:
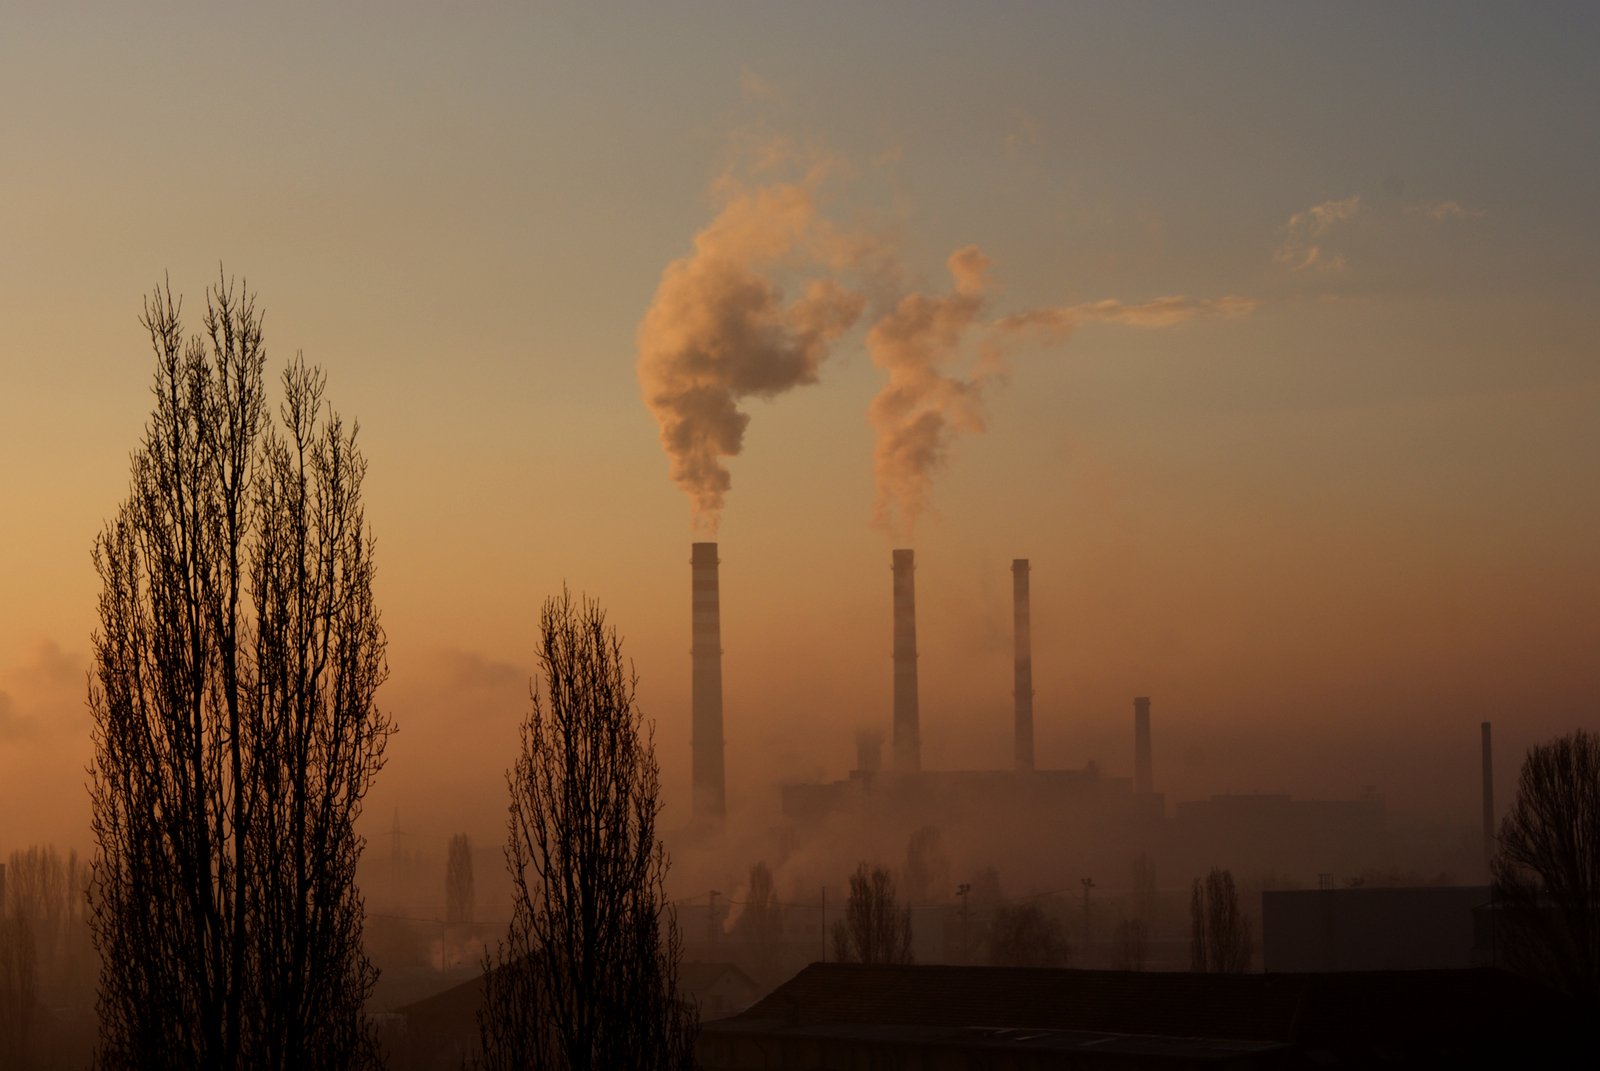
1328 528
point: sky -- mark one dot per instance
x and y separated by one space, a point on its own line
1265 331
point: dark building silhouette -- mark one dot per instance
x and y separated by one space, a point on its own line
710 792
1370 929
850 1015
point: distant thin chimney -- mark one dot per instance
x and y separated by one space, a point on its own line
710 794
907 738
1022 684
1488 796
1141 746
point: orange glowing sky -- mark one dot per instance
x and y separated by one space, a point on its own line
1328 535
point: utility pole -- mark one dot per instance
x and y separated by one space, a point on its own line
711 918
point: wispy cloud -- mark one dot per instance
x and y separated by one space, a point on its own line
753 86
1024 134
1304 234
1441 211
1158 312
43 695
461 669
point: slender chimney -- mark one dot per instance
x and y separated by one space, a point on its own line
710 796
1022 685
1488 797
907 741
1141 746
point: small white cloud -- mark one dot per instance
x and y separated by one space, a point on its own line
1302 245
753 86
1023 135
1441 211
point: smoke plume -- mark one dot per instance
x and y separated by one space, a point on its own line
720 328
921 408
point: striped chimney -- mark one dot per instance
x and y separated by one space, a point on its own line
907 737
710 793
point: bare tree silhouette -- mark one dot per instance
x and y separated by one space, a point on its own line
458 891
19 988
760 921
875 928
927 869
1220 933
48 896
235 732
587 976
1026 935
1547 869
1132 944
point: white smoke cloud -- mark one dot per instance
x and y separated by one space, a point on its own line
721 329
921 408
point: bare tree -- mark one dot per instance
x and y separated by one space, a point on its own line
760 919
1220 933
587 975
1026 935
1132 940
458 891
1142 902
19 989
237 657
1547 870
760 924
1132 944
875 928
927 870
50 895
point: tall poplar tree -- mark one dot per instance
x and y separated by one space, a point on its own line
235 665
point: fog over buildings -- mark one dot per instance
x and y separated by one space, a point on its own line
1049 454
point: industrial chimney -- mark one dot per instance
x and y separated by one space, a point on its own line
907 741
1022 685
1488 797
1141 746
710 795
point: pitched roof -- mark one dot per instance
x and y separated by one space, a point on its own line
696 976
1304 1009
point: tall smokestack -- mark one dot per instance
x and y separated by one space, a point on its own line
710 794
1022 685
1488 796
1141 746
907 739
